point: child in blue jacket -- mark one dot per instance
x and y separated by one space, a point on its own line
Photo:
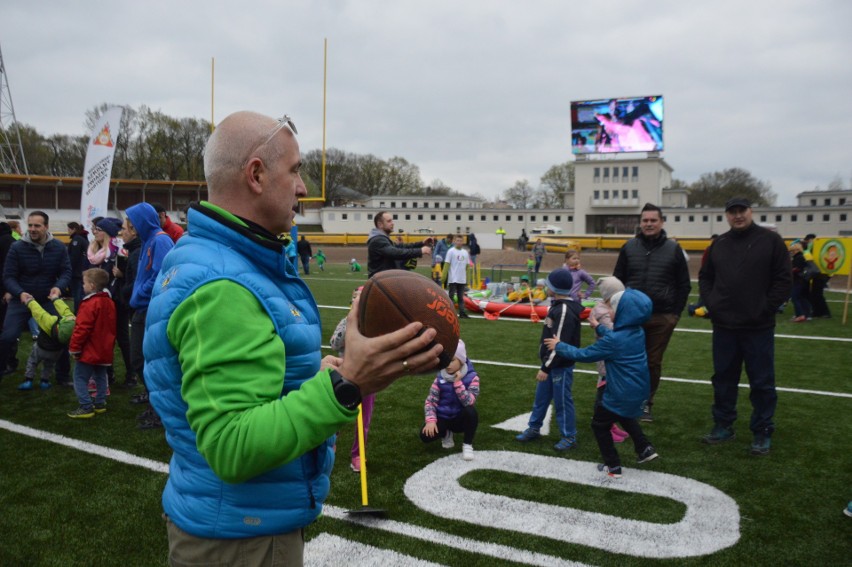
628 382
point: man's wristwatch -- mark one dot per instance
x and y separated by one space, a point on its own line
348 394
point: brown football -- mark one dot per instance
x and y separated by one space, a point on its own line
392 299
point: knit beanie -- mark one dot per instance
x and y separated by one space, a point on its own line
110 226
461 353
608 286
614 300
560 281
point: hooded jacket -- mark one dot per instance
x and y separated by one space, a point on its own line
94 330
36 268
77 247
155 245
382 254
628 382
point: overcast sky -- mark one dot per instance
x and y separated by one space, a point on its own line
476 93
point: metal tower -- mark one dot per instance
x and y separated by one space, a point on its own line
12 158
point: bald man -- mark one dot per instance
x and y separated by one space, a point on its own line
233 361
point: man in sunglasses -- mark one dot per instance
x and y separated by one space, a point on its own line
233 359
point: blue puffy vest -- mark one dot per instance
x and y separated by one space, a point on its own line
449 405
199 502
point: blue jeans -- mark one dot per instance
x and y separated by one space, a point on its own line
557 387
755 349
16 320
82 373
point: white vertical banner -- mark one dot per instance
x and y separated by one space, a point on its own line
98 169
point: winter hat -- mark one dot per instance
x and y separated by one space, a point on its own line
461 353
608 286
439 259
614 300
110 226
540 282
525 279
560 281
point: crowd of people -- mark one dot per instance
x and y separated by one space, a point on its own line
227 346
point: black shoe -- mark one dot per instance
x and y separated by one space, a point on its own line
464 316
130 383
139 398
146 415
153 423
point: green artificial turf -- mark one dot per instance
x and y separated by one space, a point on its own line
65 506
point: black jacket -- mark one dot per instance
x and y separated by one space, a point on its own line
77 247
746 278
303 247
563 322
36 271
382 254
129 274
656 267
6 241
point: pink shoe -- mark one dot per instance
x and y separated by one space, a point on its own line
618 435
356 464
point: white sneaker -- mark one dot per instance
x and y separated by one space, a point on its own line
467 452
447 442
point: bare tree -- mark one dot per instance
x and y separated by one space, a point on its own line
519 195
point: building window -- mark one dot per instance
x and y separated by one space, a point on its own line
446 217
794 218
635 193
419 217
705 218
624 171
691 218
841 201
496 218
606 175
809 218
813 202
381 204
558 218
826 217
718 218
446 205
842 217
677 218
414 204
597 178
470 217
827 202
458 217
597 194
431 217
614 173
482 218
425 205
762 218
635 173
544 218
520 218
625 194
606 194
777 218
508 218
407 217
393 204
344 216
405 204
458 205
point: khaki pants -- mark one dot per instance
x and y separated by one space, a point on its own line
281 550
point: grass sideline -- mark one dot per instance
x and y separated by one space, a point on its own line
69 507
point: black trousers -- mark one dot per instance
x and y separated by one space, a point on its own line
602 421
465 422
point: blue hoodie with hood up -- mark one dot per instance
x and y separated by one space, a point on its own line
155 245
628 382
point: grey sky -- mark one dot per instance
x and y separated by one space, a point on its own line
475 93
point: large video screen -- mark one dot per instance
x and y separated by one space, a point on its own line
613 125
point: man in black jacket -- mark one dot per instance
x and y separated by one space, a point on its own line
656 266
37 265
303 247
746 278
382 254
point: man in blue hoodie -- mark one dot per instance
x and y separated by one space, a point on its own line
155 245
38 265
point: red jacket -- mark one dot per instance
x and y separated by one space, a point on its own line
94 332
173 230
